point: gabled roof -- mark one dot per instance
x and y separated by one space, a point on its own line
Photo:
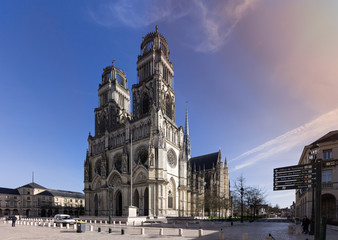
329 137
9 191
61 193
204 161
32 185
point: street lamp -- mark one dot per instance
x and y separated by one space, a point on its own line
110 189
313 157
242 191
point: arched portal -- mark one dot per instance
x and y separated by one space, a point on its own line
28 213
50 213
96 205
136 198
146 202
328 207
7 212
118 198
43 213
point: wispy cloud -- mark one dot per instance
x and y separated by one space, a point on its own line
219 21
213 22
298 137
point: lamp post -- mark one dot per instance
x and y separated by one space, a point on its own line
110 189
313 157
242 191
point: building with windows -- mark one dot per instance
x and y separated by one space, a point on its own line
34 200
143 158
328 152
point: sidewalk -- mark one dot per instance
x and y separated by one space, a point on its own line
255 231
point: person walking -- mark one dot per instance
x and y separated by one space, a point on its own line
13 221
305 224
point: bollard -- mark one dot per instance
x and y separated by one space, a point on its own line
298 231
142 231
180 232
161 231
291 229
67 225
221 234
114 222
106 222
49 224
54 225
99 229
200 232
245 236
122 231
91 228
109 230
119 222
90 221
94 221
61 225
75 226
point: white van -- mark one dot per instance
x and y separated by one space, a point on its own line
63 219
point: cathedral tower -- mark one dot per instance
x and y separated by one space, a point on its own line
155 75
114 100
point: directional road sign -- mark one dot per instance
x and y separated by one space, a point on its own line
293 177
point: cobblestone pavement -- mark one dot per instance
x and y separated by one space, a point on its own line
255 231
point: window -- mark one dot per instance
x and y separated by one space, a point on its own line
119 79
170 199
168 107
145 104
327 176
327 154
28 198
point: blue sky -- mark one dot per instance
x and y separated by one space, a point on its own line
259 76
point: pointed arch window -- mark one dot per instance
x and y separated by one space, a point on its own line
168 107
170 199
145 104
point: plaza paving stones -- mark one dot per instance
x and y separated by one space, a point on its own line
255 231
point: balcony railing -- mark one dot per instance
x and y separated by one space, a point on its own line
327 185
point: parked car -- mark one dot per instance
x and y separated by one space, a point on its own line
63 219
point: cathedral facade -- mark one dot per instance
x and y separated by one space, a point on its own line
143 158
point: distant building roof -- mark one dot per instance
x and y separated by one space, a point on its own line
329 137
206 161
33 185
61 193
9 191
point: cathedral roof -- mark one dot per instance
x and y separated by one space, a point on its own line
205 161
9 191
61 193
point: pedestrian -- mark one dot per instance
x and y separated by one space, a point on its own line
13 221
305 224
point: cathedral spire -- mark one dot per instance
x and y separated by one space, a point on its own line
186 140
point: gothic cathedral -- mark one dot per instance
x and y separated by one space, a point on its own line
143 158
